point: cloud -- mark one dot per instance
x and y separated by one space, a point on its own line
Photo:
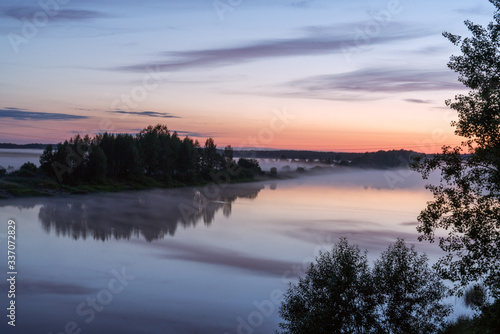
189 133
303 4
23 114
433 50
418 101
314 41
371 84
477 10
415 223
145 113
222 257
27 12
194 134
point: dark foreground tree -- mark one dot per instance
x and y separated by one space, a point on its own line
467 202
409 290
341 294
337 295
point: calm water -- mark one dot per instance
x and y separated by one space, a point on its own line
204 260
14 158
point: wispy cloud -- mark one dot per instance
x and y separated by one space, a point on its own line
23 114
304 4
314 41
195 134
221 257
369 84
27 12
432 50
419 101
188 133
476 10
145 113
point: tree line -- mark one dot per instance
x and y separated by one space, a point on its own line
155 152
380 159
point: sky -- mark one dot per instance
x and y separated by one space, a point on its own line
328 75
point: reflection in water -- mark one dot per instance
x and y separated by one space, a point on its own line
204 280
152 214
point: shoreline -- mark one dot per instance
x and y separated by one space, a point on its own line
24 187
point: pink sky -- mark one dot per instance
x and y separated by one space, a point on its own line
355 76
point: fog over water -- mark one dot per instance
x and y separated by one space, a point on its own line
201 258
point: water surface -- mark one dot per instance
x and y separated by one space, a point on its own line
203 260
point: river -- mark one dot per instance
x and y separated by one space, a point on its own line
194 260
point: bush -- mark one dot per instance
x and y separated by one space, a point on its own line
28 169
248 163
250 167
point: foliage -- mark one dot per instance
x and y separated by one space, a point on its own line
337 295
28 169
228 153
249 167
467 202
154 153
485 322
341 294
211 159
410 291
382 159
475 296
46 159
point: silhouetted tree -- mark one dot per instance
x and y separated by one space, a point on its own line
188 160
228 153
467 202
46 160
341 294
126 159
337 295
96 166
154 152
411 292
27 169
149 147
210 157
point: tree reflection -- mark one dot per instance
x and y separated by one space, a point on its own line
150 214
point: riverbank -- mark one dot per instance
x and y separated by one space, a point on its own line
15 186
